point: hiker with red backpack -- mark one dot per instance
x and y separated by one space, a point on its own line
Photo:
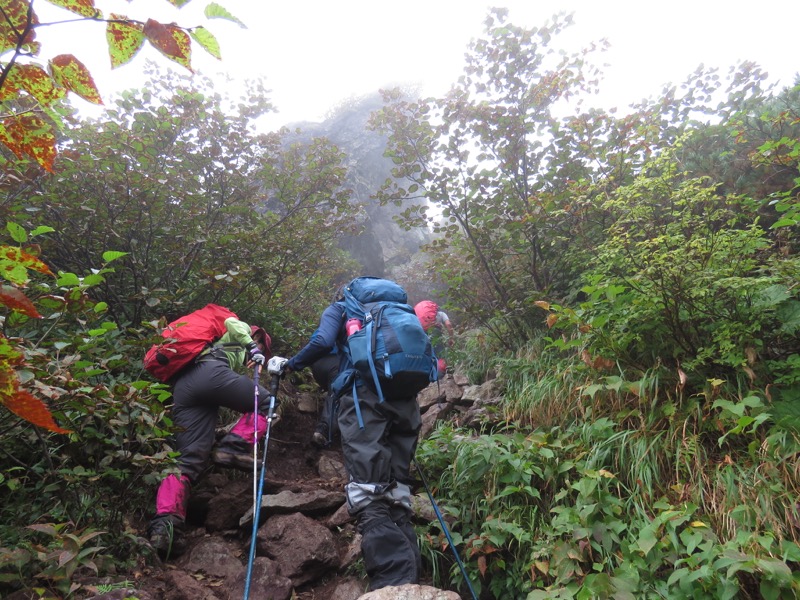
437 325
385 360
198 358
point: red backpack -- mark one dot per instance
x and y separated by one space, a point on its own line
426 313
184 339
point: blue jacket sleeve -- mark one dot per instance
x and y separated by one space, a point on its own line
323 341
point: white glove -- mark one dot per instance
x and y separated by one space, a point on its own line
255 354
276 365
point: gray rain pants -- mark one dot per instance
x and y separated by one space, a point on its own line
378 461
199 392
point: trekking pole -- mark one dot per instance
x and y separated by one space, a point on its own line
256 372
445 529
273 391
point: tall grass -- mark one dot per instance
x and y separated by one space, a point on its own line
622 486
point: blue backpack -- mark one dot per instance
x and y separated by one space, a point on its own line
390 348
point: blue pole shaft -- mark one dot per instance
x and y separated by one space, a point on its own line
257 505
446 531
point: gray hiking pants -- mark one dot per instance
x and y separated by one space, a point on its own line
198 393
378 461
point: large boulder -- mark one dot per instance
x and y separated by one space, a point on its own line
410 592
303 548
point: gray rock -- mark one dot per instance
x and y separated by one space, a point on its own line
410 592
434 414
330 467
266 581
349 589
303 548
212 557
285 502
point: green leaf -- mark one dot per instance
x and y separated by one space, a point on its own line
789 315
647 539
784 222
206 39
112 255
790 551
93 279
18 234
215 11
67 280
591 390
41 229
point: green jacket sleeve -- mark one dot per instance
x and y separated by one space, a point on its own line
238 333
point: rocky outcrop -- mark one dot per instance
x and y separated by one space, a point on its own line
382 245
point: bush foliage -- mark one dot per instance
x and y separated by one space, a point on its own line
632 279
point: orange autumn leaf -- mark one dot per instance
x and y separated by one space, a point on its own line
16 300
482 565
30 134
33 410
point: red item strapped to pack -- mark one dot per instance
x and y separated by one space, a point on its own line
184 339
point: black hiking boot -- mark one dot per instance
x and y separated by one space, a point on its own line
167 536
233 452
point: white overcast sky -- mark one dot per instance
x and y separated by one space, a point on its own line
315 53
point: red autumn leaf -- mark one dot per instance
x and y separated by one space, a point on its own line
33 80
33 410
14 23
71 73
16 300
551 320
30 134
125 38
173 42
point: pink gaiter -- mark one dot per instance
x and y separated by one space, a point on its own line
173 496
244 427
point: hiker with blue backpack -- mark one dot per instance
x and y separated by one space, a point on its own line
385 359
198 357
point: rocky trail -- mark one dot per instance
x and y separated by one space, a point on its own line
307 547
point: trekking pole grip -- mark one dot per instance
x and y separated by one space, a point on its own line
273 385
